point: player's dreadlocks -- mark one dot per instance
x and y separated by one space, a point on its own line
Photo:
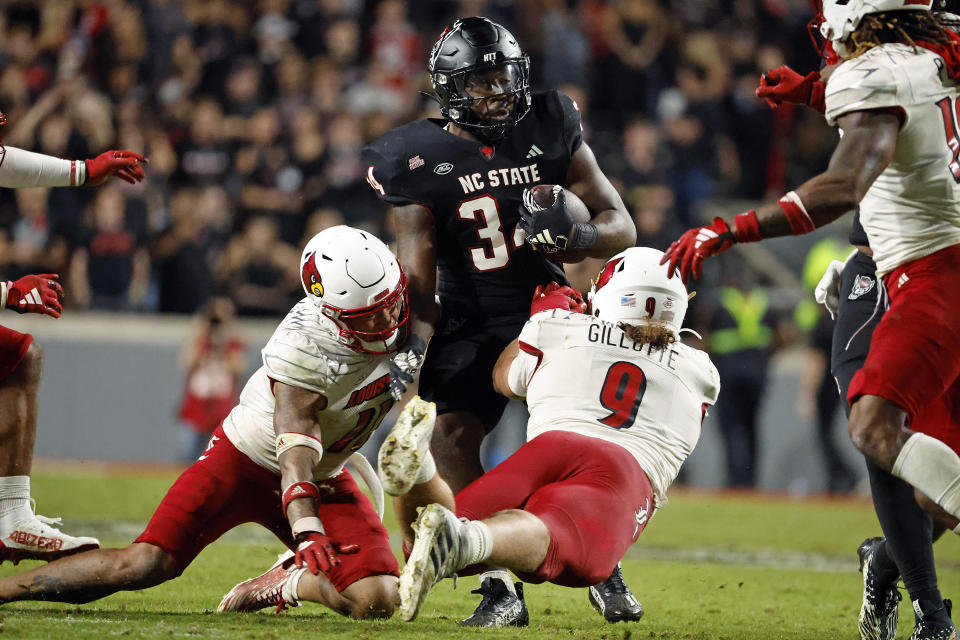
656 335
916 28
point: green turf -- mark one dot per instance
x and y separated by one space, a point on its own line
708 566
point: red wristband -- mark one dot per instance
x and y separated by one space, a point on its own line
747 227
797 216
299 490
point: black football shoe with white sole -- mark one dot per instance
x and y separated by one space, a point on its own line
500 606
613 599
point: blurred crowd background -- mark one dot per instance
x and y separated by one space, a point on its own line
253 115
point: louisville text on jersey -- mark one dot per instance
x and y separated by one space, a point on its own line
372 390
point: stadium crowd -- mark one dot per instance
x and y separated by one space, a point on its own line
253 115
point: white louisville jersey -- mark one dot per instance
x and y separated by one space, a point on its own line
304 352
913 207
584 375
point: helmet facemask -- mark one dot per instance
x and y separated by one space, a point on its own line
373 329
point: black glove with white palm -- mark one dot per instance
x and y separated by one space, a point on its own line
405 365
548 228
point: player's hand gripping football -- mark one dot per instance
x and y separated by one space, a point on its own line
405 365
696 245
319 552
36 294
548 228
783 84
126 165
557 296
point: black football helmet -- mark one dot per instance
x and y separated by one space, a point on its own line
474 60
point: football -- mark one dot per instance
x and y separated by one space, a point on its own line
543 195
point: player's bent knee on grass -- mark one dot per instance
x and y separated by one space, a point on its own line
370 598
142 565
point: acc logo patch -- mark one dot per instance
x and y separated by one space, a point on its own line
443 168
861 286
311 277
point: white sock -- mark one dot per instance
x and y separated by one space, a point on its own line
476 542
428 469
502 576
14 496
932 467
289 591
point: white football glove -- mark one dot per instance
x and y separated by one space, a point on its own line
827 292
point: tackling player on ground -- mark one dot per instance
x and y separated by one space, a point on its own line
894 96
24 534
456 186
278 459
616 403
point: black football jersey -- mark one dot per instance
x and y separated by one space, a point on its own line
473 191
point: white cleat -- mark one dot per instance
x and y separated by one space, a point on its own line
401 454
35 538
435 556
275 588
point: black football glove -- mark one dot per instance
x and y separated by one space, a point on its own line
405 365
547 228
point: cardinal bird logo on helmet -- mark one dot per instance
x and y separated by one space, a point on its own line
311 277
606 273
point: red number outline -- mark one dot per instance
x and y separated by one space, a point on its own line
622 391
950 129
367 422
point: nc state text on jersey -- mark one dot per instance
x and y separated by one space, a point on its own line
609 335
505 177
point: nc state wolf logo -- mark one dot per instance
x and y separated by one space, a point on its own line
861 285
311 277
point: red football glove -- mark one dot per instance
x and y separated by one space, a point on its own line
783 84
126 165
696 245
319 552
557 296
36 294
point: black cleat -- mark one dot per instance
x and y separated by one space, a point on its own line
499 607
879 610
935 625
613 600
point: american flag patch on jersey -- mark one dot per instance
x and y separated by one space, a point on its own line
628 300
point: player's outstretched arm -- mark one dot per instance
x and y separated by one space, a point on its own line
299 450
615 230
21 168
417 253
866 148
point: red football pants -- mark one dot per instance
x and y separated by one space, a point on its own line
592 495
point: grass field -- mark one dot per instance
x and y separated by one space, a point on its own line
708 566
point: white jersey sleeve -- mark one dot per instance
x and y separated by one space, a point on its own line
299 351
860 84
528 358
912 209
593 380
20 168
